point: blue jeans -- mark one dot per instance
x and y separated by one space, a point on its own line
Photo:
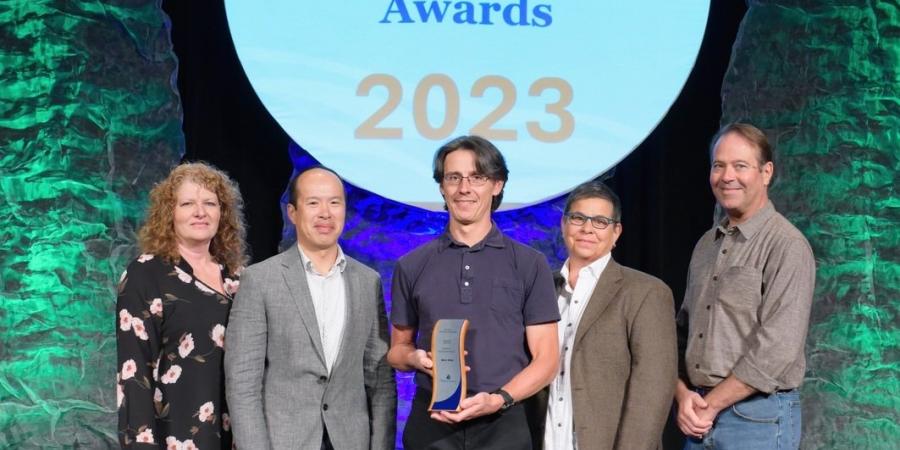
758 422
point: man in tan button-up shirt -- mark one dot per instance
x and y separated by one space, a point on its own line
742 326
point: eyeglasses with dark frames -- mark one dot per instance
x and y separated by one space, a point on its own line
598 222
454 179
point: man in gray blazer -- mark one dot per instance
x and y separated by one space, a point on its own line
305 365
616 337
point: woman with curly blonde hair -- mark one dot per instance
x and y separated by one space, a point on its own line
173 307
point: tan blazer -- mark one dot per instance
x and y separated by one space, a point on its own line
624 365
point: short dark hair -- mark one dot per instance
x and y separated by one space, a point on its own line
753 135
292 185
488 161
756 137
595 189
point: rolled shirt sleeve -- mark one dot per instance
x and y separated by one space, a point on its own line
747 305
773 349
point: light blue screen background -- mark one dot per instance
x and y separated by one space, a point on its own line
626 63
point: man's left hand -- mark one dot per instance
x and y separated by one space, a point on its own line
730 391
478 405
707 414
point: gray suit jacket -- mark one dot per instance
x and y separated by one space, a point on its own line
624 364
277 386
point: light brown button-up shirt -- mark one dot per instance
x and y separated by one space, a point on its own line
747 304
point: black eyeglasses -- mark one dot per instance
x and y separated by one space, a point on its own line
598 222
474 180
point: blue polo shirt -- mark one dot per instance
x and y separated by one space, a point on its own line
499 285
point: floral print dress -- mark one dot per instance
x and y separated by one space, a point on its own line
171 341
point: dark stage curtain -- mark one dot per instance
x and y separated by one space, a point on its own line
663 184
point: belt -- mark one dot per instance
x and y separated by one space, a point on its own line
703 390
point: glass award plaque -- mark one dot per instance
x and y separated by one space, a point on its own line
449 373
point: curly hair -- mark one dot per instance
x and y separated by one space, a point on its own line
157 235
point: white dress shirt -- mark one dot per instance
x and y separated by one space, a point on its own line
559 432
330 302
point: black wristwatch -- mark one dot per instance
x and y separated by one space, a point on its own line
507 399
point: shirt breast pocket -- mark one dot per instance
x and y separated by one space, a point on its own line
507 296
741 288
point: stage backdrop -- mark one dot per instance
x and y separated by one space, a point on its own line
89 120
823 79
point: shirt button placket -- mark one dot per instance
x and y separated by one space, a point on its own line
721 258
466 285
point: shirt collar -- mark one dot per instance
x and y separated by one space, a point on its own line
340 262
186 266
494 239
595 269
749 228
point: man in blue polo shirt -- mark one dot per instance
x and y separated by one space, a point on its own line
505 290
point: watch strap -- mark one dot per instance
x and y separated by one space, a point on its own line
508 400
